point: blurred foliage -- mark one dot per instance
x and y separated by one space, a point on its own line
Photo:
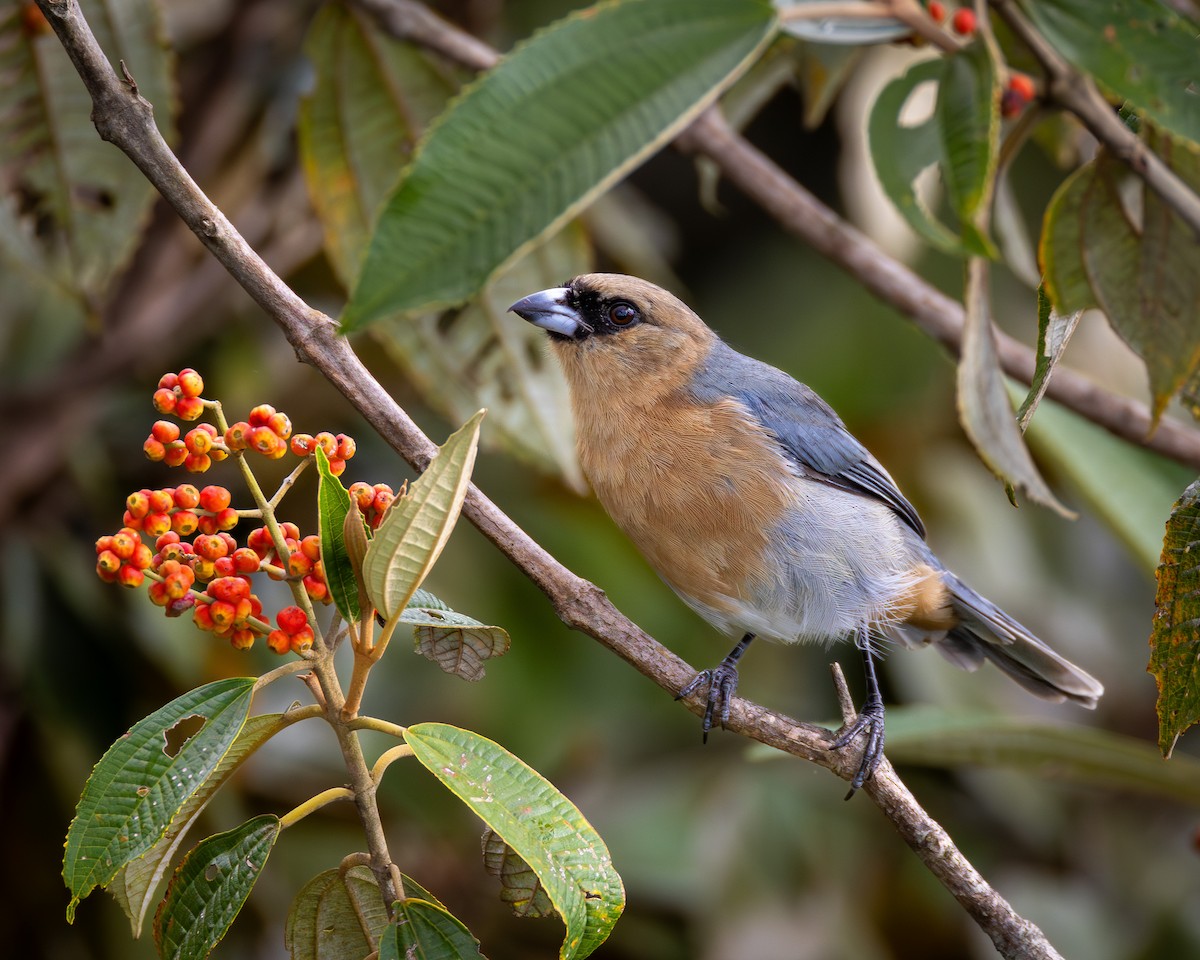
722 856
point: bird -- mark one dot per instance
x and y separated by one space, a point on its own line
751 499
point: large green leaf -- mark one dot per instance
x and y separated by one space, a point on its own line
556 122
1138 50
333 503
1060 250
326 919
140 784
427 931
417 526
82 203
134 886
1175 640
209 887
539 823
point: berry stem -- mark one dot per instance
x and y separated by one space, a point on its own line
288 482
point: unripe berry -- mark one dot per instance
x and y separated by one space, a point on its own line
197 462
130 576
242 639
245 560
204 570
153 450
107 565
164 401
189 408
191 384
237 437
186 496
279 642
291 619
138 503
303 444
214 498
176 454
280 424
963 22
346 447
156 524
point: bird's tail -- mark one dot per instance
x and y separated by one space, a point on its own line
987 632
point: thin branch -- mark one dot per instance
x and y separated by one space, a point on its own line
1076 92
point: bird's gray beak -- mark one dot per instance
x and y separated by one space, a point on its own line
548 309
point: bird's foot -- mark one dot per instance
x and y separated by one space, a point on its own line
870 719
722 683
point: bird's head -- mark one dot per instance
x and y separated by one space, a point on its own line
617 332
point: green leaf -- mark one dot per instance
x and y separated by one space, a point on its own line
333 504
983 404
479 357
455 642
933 737
426 931
417 526
1054 332
82 203
533 141
1175 640
326 919
1145 269
134 885
1138 50
140 784
968 116
372 99
901 152
539 823
856 31
519 886
1060 250
209 887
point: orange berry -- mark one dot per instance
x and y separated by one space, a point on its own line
210 547
189 408
260 541
362 493
202 616
164 401
245 560
130 576
302 641
138 503
278 642
197 462
107 564
104 543
198 440
281 424
214 499
191 384
337 467
171 536
237 437
186 496
261 414
298 565
263 440
156 524
303 444
224 566
160 501
382 500
223 614
1022 85
311 546
158 594
328 443
164 431
289 530
346 447
153 450
226 519
142 556
176 453
242 639
168 381
315 589
963 22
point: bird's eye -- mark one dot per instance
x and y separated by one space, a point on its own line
623 314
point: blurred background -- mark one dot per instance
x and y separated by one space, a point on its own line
725 852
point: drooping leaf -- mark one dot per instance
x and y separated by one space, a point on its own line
1054 332
86 200
140 784
333 504
209 887
519 886
983 404
532 141
1060 250
539 823
933 737
417 526
1141 51
1175 639
326 919
427 931
902 151
849 31
134 885
482 355
455 642
968 116
1145 270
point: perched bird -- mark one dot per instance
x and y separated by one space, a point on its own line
751 499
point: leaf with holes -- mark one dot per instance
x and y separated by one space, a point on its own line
541 825
455 642
561 118
140 784
209 887
519 886
417 526
134 885
1175 640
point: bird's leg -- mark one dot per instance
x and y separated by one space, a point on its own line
722 683
870 718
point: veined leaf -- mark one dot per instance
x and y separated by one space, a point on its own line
1175 640
539 823
417 526
427 931
210 886
531 142
1060 250
333 504
455 642
1141 51
140 784
519 886
326 919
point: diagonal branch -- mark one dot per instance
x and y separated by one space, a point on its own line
124 118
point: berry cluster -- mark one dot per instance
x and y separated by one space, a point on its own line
373 501
294 632
962 21
303 560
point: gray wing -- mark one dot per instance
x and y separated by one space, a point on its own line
808 430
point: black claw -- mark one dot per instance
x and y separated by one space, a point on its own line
869 719
722 683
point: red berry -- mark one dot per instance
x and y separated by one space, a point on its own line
245 560
226 519
315 589
291 620
158 594
160 501
202 616
289 530
237 437
164 400
303 444
346 447
189 408
363 493
311 546
130 576
382 500
138 503
328 443
107 564
191 384
337 466
963 22
156 524
210 547
176 453
281 424
937 11
264 440
197 462
1022 85
261 414
298 565
164 431
186 496
104 543
124 542
198 440
142 557
260 541
168 538
168 381
214 498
